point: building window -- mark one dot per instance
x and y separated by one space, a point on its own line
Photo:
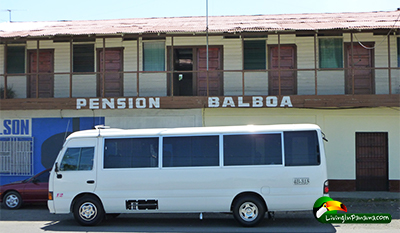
15 59
253 149
131 153
191 151
254 55
16 155
153 56
330 53
83 58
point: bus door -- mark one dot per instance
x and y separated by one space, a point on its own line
76 171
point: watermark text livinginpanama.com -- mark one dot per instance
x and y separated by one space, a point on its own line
325 211
356 218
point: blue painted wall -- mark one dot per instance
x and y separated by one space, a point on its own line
48 136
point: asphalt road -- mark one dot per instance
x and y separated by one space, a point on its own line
36 218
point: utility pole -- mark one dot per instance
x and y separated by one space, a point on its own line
207 76
207 31
9 13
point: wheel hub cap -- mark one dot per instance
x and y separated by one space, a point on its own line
12 201
248 211
87 211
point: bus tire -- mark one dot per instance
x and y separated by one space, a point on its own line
249 210
88 211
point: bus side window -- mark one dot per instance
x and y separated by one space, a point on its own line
191 151
301 148
253 149
77 159
131 152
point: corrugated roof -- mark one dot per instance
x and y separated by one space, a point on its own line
255 23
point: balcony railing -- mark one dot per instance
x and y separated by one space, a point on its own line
306 83
341 81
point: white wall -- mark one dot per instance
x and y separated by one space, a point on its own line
152 118
339 125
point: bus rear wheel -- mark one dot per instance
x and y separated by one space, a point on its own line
88 211
249 211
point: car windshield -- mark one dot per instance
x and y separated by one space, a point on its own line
43 177
27 179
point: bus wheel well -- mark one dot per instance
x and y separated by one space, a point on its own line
252 194
77 197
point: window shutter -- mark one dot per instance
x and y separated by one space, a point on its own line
16 59
254 55
330 53
153 56
83 58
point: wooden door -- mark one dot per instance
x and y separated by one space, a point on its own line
45 82
288 78
113 80
214 78
372 162
363 74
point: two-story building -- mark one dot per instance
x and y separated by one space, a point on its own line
338 70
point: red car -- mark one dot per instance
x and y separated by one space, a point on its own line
31 190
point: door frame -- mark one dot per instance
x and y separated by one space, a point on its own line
348 71
269 57
170 62
194 48
28 79
386 157
99 75
221 64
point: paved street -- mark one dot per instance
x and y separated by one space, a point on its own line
36 218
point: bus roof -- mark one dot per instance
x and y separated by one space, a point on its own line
114 132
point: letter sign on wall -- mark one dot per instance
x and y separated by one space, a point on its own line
200 102
15 127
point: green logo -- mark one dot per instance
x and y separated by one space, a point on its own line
325 211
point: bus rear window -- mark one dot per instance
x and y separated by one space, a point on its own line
301 148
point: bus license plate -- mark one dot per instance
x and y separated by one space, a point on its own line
301 181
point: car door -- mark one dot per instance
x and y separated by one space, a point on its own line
36 190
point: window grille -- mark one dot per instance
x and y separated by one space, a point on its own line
16 156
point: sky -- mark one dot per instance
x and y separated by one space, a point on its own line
54 10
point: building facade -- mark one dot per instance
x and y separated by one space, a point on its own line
340 71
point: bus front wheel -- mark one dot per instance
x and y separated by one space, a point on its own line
88 211
248 211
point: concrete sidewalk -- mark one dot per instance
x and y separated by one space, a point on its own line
365 195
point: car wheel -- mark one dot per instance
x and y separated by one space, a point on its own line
248 211
88 211
12 200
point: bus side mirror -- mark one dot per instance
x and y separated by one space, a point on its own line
56 167
324 137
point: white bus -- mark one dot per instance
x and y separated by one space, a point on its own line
244 170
